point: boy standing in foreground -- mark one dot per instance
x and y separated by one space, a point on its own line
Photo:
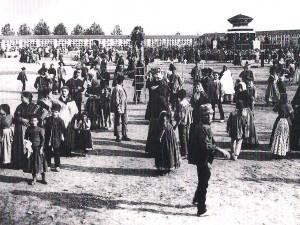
54 130
202 149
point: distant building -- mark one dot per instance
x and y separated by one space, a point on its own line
16 42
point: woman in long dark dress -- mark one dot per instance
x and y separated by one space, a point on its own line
167 154
21 119
159 103
295 129
250 139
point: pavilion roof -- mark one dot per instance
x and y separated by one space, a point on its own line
240 20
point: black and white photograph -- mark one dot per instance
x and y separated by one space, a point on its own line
149 112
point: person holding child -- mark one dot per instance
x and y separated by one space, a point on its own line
83 128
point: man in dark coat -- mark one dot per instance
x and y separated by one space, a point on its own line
54 130
76 88
201 151
23 78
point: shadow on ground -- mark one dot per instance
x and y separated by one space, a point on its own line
140 172
123 144
92 202
123 153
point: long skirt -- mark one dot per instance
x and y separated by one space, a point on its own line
6 145
92 108
250 139
272 94
297 76
85 141
153 135
18 150
281 140
295 132
167 155
70 139
36 163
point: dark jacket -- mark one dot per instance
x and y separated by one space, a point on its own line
76 88
36 136
201 146
54 129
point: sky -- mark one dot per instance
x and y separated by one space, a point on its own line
155 16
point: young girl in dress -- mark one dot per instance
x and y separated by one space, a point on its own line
167 156
83 128
35 162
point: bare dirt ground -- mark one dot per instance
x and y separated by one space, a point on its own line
117 183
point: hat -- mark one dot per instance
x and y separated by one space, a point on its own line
163 114
27 94
55 107
172 67
84 113
65 87
206 109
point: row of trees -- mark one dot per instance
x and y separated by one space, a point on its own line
41 28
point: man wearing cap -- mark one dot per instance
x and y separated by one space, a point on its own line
76 88
119 107
43 82
54 130
23 78
61 75
175 84
201 151
247 75
196 73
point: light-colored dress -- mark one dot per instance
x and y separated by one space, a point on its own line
297 76
227 83
281 140
6 139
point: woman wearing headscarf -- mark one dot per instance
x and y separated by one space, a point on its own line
272 92
280 138
6 134
167 155
68 113
250 137
227 83
159 103
21 119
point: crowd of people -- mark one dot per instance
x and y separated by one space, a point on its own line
61 125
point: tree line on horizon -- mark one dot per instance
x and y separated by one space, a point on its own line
41 28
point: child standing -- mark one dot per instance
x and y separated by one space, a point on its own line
183 117
202 149
105 98
83 127
23 78
236 129
54 130
36 163
215 95
167 156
